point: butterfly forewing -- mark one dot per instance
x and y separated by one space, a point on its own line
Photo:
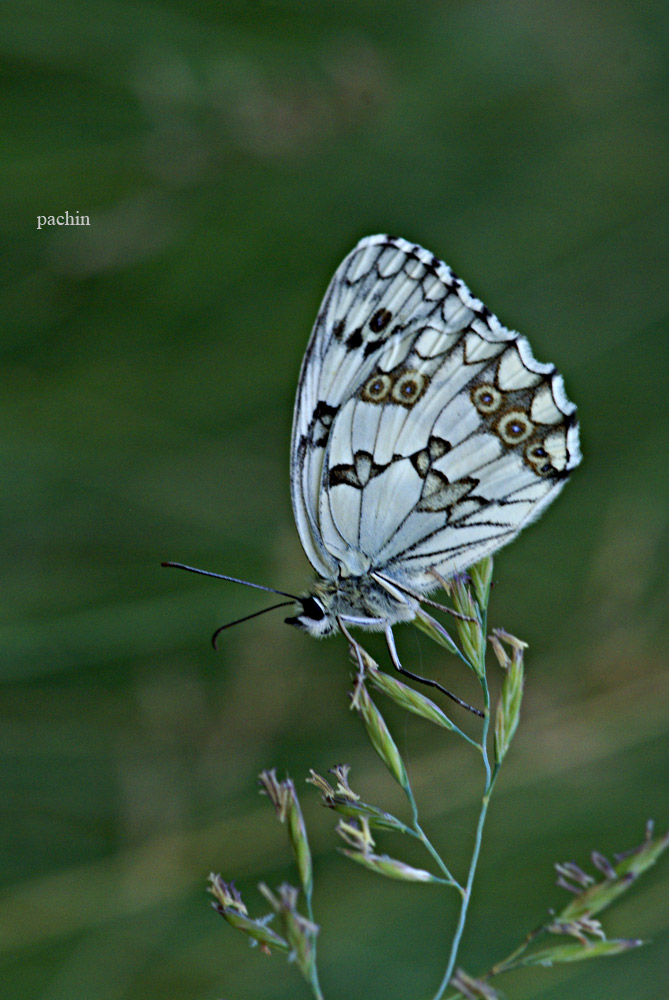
425 434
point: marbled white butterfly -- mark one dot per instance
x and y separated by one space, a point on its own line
425 437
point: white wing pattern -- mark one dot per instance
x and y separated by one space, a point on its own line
425 434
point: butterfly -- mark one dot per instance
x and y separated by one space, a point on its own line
425 437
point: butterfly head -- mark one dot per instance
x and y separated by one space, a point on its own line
313 617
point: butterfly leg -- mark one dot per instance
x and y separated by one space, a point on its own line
355 646
392 649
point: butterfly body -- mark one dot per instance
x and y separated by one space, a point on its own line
425 437
368 601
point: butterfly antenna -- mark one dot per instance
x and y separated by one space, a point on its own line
232 579
238 621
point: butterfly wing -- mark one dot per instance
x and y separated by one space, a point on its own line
425 433
370 303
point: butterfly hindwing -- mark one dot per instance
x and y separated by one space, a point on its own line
425 434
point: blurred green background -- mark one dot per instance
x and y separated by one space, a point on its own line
229 155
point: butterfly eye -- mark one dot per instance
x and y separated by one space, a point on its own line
514 427
312 609
377 388
486 399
